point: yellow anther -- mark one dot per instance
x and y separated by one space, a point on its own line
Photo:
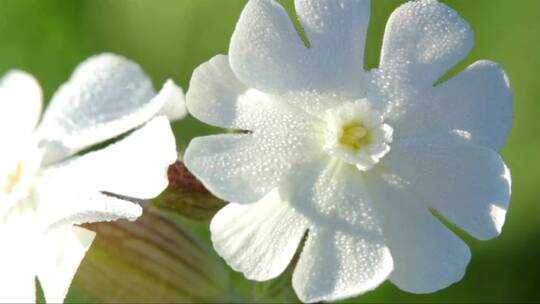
355 136
13 178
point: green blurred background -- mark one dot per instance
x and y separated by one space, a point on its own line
170 38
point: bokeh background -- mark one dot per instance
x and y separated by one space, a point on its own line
170 38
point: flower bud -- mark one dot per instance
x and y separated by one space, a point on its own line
187 196
153 258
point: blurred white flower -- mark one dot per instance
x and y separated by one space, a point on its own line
349 160
48 186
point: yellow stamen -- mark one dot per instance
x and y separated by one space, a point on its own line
13 178
355 136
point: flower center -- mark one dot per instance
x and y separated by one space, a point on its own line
18 172
356 134
13 178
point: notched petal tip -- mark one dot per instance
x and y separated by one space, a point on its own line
265 37
351 273
260 239
214 93
423 40
458 273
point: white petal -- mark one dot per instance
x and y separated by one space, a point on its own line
427 255
19 163
136 166
424 39
20 106
21 289
345 253
61 253
331 194
217 97
174 104
336 265
476 104
266 52
60 206
258 239
242 168
106 96
238 168
337 31
466 183
478 101
18 254
17 278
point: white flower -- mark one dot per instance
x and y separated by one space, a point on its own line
47 186
349 159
